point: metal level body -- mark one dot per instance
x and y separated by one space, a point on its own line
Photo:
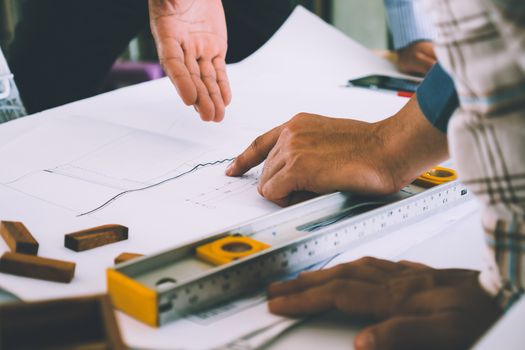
160 288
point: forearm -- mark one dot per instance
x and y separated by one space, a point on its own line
412 144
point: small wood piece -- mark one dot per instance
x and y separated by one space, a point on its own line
95 237
18 237
74 323
126 256
37 267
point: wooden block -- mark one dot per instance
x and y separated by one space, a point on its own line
95 237
37 267
18 237
74 323
126 256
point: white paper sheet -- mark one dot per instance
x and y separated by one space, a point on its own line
70 159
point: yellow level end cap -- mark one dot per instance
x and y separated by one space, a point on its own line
133 298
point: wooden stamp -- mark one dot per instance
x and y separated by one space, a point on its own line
95 237
18 237
126 256
74 323
37 267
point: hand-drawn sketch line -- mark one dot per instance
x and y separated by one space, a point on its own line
114 198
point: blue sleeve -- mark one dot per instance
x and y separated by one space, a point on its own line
407 22
437 97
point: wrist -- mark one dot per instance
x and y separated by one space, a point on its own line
411 145
390 156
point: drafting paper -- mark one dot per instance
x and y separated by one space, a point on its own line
68 160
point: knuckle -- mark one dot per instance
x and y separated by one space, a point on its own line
299 120
344 269
341 270
289 132
256 144
298 117
367 260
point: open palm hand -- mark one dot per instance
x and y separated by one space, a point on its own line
191 41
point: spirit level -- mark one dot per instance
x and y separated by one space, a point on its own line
160 288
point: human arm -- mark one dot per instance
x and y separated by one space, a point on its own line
412 34
487 139
320 154
326 154
191 42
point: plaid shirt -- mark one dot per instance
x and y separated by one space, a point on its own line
481 43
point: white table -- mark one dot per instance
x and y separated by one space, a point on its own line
268 88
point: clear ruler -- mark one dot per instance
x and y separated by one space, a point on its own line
163 287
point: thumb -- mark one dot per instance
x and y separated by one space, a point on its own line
437 331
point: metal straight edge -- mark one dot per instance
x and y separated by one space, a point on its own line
226 282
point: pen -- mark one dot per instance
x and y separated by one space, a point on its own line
405 94
400 93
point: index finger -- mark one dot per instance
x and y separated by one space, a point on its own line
317 278
255 154
352 297
366 269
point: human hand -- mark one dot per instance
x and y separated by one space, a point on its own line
321 155
416 58
416 307
191 42
317 154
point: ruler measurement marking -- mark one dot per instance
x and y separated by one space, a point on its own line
315 246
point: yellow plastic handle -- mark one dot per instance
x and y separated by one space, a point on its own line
436 176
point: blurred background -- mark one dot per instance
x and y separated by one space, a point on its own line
365 21
367 25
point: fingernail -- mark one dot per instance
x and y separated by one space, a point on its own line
229 169
365 341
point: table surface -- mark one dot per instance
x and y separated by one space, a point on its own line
460 246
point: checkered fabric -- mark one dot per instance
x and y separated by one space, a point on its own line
481 43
